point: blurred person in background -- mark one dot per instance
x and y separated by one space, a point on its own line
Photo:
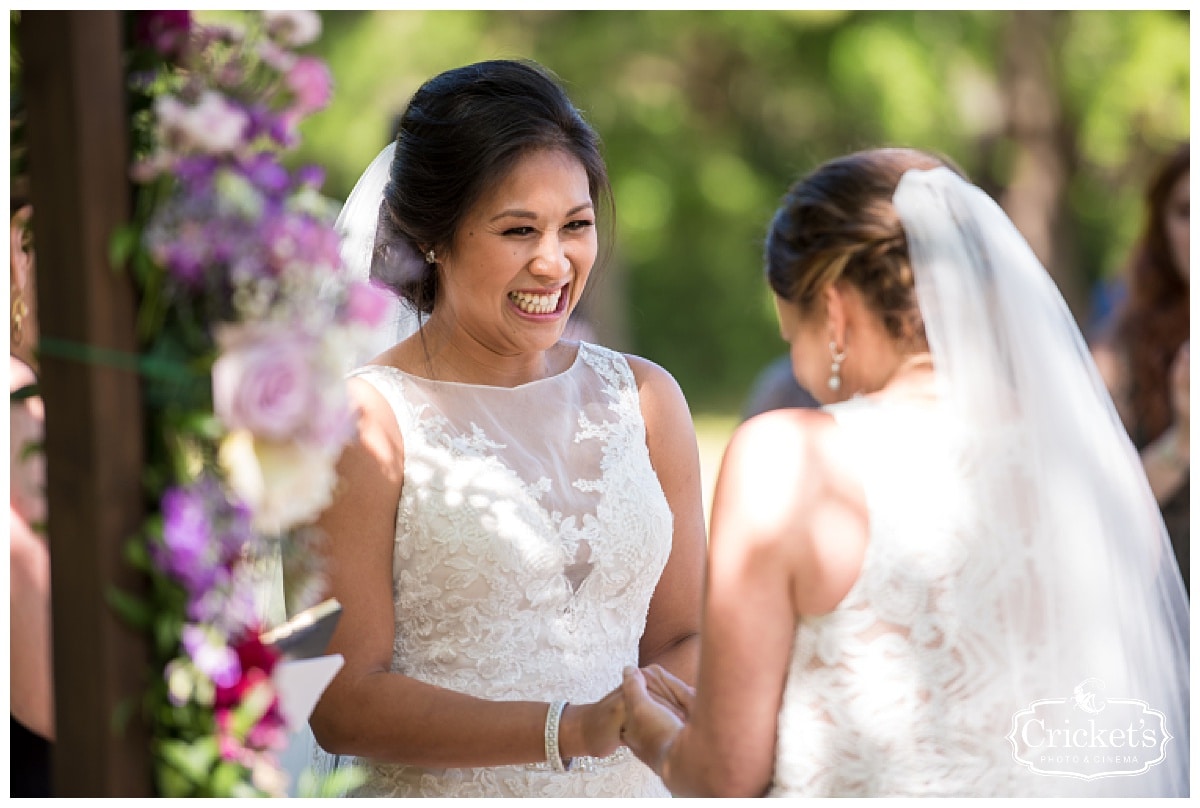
1143 352
31 684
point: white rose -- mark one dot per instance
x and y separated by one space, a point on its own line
285 484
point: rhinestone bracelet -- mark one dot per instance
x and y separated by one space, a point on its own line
553 718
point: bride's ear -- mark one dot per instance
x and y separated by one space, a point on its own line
834 298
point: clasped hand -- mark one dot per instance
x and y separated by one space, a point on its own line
657 704
645 713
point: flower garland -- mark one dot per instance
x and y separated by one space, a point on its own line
245 302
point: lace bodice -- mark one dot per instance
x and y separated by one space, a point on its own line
900 690
530 534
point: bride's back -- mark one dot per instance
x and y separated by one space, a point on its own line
902 689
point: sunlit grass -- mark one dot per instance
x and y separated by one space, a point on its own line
712 434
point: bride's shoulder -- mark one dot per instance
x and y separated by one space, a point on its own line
787 486
799 427
796 455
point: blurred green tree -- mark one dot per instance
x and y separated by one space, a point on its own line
707 116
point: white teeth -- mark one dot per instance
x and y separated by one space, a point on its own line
535 304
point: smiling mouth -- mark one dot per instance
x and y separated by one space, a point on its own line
537 303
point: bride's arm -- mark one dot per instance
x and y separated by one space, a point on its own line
671 638
776 505
371 712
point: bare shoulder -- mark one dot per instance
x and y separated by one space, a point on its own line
782 457
378 435
650 375
787 485
660 395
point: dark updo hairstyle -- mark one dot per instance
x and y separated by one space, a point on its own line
838 224
460 135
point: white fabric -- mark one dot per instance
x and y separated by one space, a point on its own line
530 535
357 223
1016 552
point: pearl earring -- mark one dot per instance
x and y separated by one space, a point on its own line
835 368
430 257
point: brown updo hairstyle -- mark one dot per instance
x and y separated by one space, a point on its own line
463 131
838 224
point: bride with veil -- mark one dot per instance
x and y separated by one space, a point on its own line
951 581
520 516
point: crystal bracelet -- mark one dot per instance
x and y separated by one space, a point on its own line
553 718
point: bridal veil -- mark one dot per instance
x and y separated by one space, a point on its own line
1089 611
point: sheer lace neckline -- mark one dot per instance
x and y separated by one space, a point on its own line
580 348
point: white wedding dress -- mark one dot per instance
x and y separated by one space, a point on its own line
530 535
910 686
887 694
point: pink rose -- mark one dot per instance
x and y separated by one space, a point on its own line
311 82
264 382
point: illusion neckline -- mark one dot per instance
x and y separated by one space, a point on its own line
580 347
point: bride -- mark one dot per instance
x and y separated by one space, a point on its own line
520 516
952 580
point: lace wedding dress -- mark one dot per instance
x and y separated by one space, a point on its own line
530 535
908 688
1019 625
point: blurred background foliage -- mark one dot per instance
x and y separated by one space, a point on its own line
707 116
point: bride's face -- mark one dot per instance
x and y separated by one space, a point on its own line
522 256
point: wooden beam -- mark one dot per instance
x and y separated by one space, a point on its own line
78 141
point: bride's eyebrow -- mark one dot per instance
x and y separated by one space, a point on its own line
528 214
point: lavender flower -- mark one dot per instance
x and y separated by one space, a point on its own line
211 655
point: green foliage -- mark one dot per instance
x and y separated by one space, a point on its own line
707 116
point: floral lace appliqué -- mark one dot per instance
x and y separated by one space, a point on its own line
507 587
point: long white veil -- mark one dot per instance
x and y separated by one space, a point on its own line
358 223
1094 603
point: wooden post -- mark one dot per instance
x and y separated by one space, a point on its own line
78 142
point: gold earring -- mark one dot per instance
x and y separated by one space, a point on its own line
18 313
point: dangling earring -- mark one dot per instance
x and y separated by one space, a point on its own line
835 368
18 313
430 257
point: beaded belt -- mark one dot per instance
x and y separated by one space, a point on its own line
585 763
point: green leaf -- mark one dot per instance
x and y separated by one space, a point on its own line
124 241
337 783
227 778
137 554
172 783
194 759
133 610
122 713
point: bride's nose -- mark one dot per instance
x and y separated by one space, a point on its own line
551 261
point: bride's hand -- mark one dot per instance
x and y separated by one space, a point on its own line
594 728
670 690
650 723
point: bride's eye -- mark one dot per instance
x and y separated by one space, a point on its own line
580 224
518 231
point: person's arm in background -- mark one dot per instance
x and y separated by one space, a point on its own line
1166 459
31 691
